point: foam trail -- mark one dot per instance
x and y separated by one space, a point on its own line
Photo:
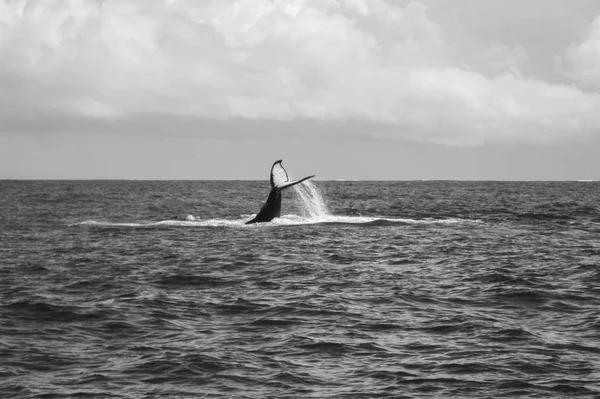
311 201
285 220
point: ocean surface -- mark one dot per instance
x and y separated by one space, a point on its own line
360 290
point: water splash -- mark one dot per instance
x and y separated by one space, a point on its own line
311 201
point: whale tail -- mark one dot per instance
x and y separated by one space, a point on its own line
280 179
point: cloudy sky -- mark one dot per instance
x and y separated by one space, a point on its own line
355 89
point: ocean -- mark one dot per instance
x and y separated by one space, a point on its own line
412 289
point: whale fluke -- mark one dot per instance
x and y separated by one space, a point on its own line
279 181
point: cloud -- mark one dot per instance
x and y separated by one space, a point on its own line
581 61
388 67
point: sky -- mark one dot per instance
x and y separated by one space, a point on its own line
344 89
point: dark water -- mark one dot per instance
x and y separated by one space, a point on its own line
405 289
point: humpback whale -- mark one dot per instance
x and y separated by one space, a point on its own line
279 181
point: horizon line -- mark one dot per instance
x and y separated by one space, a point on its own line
323 180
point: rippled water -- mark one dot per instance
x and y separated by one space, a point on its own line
398 289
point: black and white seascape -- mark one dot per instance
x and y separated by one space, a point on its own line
432 231
359 290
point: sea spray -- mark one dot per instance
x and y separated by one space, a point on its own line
311 201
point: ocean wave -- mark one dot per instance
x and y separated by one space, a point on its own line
168 223
285 220
398 290
42 311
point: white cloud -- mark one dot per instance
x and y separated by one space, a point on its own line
581 61
371 61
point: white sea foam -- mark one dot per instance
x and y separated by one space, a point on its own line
312 203
182 223
284 220
339 219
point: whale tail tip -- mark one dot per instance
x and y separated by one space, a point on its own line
280 177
